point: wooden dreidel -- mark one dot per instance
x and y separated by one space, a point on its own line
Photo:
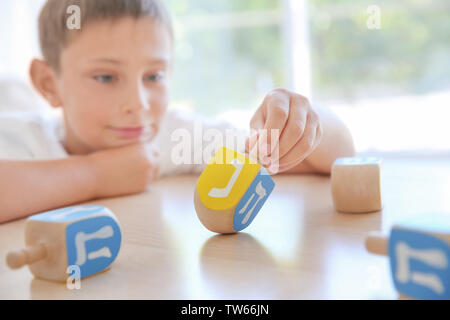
356 184
86 236
419 255
231 191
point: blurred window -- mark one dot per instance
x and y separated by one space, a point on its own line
390 85
228 53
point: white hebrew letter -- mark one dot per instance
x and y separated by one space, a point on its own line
224 192
80 243
247 204
433 257
261 192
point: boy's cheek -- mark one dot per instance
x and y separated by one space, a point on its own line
158 107
89 122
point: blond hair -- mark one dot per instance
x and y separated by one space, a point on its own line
54 35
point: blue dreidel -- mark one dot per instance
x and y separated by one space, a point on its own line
86 237
419 254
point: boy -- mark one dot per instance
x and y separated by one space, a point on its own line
110 79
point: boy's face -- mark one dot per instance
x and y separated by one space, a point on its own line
113 83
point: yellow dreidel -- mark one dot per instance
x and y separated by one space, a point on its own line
86 237
419 255
231 191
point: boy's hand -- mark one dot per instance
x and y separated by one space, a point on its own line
298 131
124 170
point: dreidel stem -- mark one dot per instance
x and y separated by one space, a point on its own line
29 255
377 243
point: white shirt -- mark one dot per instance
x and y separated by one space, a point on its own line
38 135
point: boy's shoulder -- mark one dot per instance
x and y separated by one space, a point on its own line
24 118
30 135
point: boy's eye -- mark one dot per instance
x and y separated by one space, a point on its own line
105 78
153 77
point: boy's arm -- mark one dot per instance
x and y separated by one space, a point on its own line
29 187
336 142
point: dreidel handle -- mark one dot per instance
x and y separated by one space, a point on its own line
29 255
377 243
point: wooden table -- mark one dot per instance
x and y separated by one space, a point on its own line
297 248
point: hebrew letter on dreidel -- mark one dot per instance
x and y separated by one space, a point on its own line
103 252
80 243
433 257
224 192
247 204
261 192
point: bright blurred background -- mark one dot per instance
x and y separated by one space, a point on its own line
390 85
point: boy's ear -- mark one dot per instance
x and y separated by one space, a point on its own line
44 80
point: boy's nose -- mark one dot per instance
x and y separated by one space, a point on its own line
138 101
130 108
127 109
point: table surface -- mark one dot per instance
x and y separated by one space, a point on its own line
298 247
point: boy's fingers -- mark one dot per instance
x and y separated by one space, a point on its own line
277 106
250 142
301 149
258 120
295 128
256 124
312 139
257 148
319 134
262 149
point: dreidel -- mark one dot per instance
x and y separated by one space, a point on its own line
231 191
86 237
419 255
356 184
